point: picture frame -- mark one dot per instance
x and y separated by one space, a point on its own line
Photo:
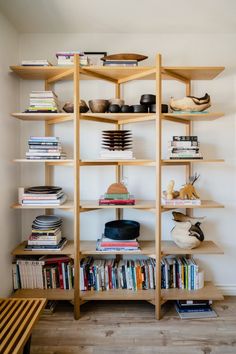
95 57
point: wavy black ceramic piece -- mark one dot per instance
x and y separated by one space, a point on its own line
140 108
148 99
126 109
122 229
114 108
164 108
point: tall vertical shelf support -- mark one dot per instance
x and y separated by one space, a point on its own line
158 186
77 187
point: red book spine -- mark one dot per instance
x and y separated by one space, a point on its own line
60 275
110 276
119 244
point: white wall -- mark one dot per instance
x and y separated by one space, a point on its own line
217 138
9 144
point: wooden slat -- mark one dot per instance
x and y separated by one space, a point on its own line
52 118
118 294
170 162
192 72
68 205
206 247
49 294
201 117
68 249
135 162
42 73
66 162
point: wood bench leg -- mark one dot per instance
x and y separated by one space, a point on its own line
27 346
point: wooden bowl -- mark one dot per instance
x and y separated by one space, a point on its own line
99 105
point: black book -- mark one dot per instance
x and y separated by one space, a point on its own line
185 138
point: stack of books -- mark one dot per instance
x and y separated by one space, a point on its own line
109 245
46 272
184 147
116 145
180 202
107 274
37 62
117 194
195 309
43 102
45 148
67 58
46 234
41 196
181 273
122 63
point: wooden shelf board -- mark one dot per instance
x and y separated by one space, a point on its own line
50 117
67 205
134 162
41 72
192 116
89 248
49 294
118 118
66 162
193 72
206 247
167 162
140 204
205 204
20 250
118 294
209 292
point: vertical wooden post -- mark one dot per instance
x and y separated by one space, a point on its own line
158 186
188 131
76 187
47 169
119 212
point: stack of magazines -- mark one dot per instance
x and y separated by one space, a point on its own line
41 196
36 62
43 102
67 58
45 148
195 309
184 147
106 274
109 245
46 234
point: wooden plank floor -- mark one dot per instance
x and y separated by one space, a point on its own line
130 328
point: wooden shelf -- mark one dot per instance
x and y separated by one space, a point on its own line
206 247
134 162
209 292
147 248
186 117
20 250
192 72
140 204
43 72
49 294
187 161
118 118
205 204
118 294
51 118
67 205
66 162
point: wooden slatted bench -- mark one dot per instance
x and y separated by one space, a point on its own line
17 319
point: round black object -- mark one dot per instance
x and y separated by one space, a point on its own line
122 229
140 108
114 108
148 99
126 109
164 108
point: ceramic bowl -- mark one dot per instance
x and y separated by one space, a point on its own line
140 108
69 107
99 105
118 101
114 108
164 108
148 99
126 109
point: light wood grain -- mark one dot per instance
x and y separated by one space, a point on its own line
193 72
201 117
118 294
206 247
187 161
43 72
49 294
65 162
134 162
51 117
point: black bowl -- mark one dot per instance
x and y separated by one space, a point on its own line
164 108
148 99
114 108
140 108
126 109
122 229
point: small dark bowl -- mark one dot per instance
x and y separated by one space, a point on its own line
114 108
148 99
140 108
126 109
122 229
164 108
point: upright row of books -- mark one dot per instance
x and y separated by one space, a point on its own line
181 273
44 272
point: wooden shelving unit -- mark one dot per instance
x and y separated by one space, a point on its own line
155 248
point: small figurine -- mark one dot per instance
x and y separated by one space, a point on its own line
191 103
188 191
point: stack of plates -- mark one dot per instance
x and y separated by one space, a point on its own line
43 190
116 144
46 222
42 195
